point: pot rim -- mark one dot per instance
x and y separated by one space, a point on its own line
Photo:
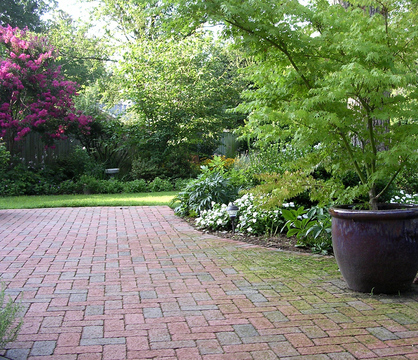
388 211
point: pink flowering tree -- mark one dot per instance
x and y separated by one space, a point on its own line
34 96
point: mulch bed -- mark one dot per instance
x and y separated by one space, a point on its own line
280 241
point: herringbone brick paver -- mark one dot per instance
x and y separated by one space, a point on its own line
139 283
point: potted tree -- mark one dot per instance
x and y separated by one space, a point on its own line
341 78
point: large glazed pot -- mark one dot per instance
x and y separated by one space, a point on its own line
376 250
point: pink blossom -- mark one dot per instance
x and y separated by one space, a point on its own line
34 89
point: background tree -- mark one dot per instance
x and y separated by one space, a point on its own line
25 13
83 54
180 87
180 92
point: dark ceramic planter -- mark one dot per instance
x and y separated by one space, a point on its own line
376 250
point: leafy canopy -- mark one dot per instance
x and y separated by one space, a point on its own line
83 55
341 77
25 13
180 87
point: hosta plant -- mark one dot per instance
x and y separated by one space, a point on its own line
199 194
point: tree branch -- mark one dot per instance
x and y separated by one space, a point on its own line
274 44
353 158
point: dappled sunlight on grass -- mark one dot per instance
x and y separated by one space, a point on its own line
139 199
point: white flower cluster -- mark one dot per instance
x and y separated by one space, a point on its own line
251 219
255 220
215 219
404 198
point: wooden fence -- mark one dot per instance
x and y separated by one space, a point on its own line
32 150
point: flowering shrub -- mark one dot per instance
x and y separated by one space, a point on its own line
33 94
404 198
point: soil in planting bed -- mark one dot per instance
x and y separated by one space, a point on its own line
279 241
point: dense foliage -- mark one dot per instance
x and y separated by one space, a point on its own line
179 93
82 55
340 75
25 13
210 187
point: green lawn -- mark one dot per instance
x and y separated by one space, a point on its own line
140 199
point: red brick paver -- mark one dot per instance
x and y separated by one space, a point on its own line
139 283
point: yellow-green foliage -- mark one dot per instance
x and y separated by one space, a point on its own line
277 188
220 163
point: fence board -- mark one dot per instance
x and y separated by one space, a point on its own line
33 151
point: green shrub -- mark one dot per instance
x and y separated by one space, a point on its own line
69 187
180 184
111 186
20 180
46 188
89 184
158 185
10 188
135 186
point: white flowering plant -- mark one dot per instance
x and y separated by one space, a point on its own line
251 218
215 219
254 220
312 227
404 198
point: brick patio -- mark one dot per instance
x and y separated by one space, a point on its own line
139 283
